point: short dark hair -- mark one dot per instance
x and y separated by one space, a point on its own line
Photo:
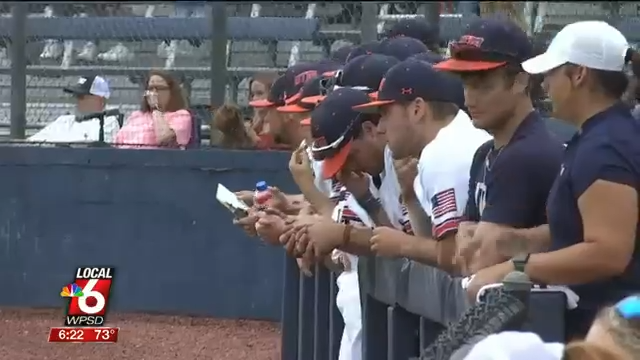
363 118
443 109
177 100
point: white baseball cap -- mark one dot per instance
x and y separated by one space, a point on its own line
592 44
90 85
513 345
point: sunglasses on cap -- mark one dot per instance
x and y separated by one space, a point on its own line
335 82
463 50
321 150
629 307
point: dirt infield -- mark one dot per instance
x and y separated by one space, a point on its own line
23 336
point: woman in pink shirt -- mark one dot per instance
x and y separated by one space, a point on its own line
163 119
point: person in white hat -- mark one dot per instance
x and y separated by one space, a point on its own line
593 208
91 94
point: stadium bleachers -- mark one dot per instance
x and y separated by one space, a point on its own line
46 101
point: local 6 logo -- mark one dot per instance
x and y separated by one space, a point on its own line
89 296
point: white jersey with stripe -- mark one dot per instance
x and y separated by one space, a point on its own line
390 195
443 173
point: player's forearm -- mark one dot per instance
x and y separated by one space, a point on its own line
320 202
420 221
374 209
428 251
538 239
359 241
420 249
578 264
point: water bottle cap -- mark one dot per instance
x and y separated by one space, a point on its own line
261 186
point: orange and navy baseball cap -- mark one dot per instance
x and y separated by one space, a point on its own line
363 73
287 87
340 55
402 47
334 126
487 44
418 29
312 88
412 79
275 97
368 48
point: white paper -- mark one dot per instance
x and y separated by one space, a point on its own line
229 200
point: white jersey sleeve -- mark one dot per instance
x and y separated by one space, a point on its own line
443 174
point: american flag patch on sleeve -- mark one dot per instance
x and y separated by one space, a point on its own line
444 203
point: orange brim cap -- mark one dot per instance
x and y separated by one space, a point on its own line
292 108
261 103
293 99
306 121
313 100
465 65
331 166
372 106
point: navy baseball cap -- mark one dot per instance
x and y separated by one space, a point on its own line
312 88
418 29
363 72
341 55
368 48
402 47
290 83
488 44
412 79
334 124
429 56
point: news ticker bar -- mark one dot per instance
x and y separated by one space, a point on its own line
84 334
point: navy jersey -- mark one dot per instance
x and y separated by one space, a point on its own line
607 148
509 186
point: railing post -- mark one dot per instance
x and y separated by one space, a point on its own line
368 22
218 52
18 70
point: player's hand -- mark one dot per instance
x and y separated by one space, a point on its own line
357 183
319 239
248 223
300 167
466 245
340 260
246 196
304 267
279 200
406 171
387 242
271 225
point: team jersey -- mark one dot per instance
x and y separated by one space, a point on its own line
390 195
443 173
509 185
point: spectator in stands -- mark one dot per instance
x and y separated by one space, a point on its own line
259 88
592 208
163 119
618 328
53 48
91 93
418 29
235 132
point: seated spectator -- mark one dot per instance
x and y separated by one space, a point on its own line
259 88
235 133
91 93
618 328
163 119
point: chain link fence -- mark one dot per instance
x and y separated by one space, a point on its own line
179 37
